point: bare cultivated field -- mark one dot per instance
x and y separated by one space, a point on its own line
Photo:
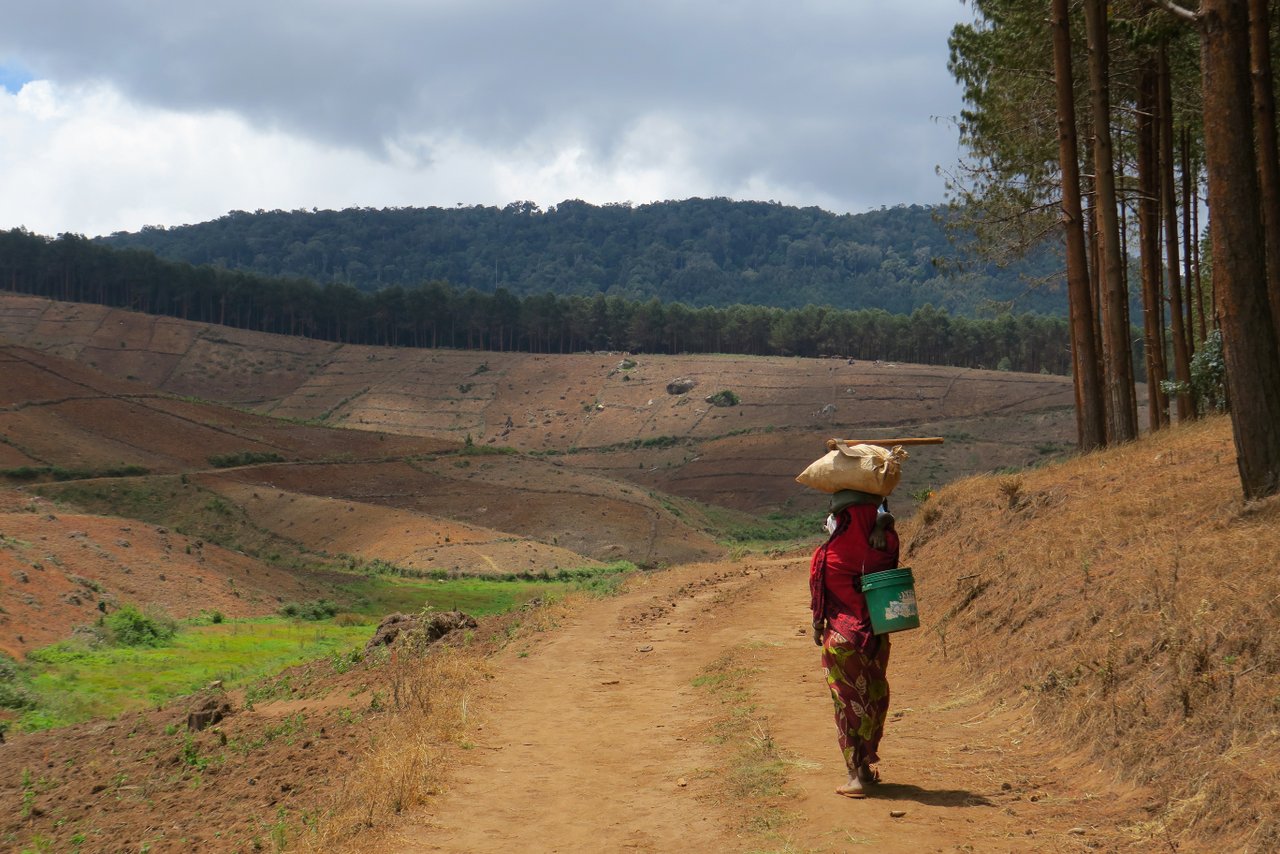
610 413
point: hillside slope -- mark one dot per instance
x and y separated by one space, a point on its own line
58 567
112 493
605 412
1131 598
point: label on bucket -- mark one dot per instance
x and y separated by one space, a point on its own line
902 607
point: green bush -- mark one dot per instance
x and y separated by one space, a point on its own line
1208 377
318 609
777 527
25 472
243 458
63 474
207 618
724 398
131 627
473 450
12 694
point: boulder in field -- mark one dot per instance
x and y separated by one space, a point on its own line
681 385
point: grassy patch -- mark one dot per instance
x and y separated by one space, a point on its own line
478 596
405 761
753 768
315 610
70 682
775 528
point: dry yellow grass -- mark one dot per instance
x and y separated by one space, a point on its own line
412 750
1133 597
407 754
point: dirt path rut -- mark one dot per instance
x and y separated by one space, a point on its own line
593 737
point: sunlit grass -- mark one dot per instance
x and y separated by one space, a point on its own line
72 683
476 596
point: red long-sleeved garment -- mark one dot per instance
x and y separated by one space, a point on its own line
836 567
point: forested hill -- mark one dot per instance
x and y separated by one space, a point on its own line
701 252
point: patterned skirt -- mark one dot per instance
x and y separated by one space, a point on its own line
860 689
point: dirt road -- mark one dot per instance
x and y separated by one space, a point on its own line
595 737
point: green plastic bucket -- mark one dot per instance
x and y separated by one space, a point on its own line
891 599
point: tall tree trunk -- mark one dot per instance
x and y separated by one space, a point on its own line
1090 201
1199 300
1122 210
1264 123
1118 370
1091 430
1188 280
1239 261
1169 203
1149 203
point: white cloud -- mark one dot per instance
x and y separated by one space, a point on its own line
180 111
87 160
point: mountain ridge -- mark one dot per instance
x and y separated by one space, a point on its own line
702 252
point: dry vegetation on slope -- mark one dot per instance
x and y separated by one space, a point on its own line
1133 598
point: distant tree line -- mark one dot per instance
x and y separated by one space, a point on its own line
435 314
700 252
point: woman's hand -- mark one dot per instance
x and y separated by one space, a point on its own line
877 540
817 634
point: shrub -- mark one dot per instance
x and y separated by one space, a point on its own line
724 398
25 472
777 527
131 627
318 609
12 694
1208 377
63 474
209 618
243 458
474 450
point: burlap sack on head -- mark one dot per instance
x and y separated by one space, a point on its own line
869 468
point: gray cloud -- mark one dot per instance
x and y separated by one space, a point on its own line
829 98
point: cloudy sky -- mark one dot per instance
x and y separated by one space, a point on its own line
116 114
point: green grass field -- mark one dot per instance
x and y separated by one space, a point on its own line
72 684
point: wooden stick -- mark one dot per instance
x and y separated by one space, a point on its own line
884 443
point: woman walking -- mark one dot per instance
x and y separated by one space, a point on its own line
854 658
